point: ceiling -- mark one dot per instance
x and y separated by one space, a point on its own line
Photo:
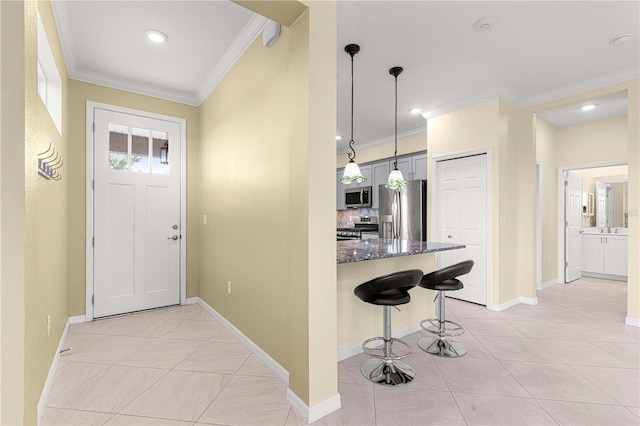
535 52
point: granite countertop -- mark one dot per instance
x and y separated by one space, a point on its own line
381 248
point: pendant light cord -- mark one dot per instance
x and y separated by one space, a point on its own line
350 155
395 71
395 153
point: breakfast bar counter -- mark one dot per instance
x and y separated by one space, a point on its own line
363 260
381 248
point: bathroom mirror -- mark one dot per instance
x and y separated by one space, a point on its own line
612 209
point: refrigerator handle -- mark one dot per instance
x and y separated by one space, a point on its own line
396 214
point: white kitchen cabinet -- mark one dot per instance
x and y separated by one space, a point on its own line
340 191
604 254
365 171
380 172
419 167
404 165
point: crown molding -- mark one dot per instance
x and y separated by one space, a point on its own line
133 86
249 33
583 86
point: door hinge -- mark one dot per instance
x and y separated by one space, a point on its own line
566 264
566 223
566 183
93 296
93 184
94 127
93 241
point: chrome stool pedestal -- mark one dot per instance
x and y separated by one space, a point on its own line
385 366
440 345
443 280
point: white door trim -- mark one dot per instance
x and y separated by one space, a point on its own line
538 225
561 208
434 202
89 197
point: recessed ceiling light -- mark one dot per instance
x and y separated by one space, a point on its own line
484 24
588 107
620 40
156 36
416 110
338 138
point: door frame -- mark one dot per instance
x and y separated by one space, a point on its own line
489 220
91 105
561 209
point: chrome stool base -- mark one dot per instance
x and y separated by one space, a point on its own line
445 348
387 373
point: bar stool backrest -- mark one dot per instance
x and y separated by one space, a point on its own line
447 273
402 280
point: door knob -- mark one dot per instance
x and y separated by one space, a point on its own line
449 236
174 227
174 238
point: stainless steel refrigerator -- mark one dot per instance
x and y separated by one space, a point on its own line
403 214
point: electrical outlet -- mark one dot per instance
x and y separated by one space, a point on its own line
48 325
229 288
204 219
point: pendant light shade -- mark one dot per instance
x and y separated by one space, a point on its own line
352 171
396 180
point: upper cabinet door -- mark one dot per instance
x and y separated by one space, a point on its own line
380 174
419 167
366 173
340 191
404 165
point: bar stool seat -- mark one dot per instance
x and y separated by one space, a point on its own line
384 367
443 280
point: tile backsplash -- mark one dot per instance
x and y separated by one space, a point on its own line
344 218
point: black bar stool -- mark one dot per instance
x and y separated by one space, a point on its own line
384 367
442 280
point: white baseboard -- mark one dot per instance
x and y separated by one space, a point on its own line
511 303
311 414
54 364
356 348
78 319
190 301
257 351
635 322
547 284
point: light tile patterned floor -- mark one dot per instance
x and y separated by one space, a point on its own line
568 360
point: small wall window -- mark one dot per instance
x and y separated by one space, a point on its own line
49 81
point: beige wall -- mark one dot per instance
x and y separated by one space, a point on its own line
265 233
79 94
546 155
12 213
46 280
591 143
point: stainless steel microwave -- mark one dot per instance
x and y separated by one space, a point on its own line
357 197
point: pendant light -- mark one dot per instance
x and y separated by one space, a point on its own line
351 170
396 181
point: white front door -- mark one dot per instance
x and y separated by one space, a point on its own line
462 218
573 224
136 212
